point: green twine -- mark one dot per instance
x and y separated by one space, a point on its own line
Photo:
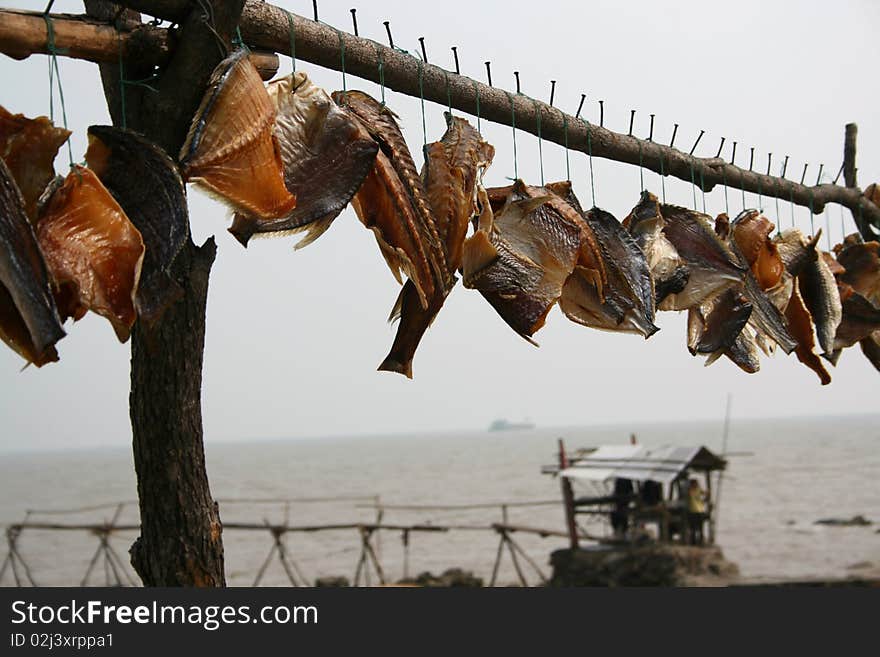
422 99
703 189
381 72
641 171
778 217
237 40
791 202
693 184
342 59
513 127
448 92
540 146
55 73
827 226
742 186
565 133
726 202
760 195
292 40
662 178
590 158
477 90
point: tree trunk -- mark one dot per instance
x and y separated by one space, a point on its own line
180 542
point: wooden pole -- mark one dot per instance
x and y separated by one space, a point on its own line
267 27
568 499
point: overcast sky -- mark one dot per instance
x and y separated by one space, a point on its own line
294 339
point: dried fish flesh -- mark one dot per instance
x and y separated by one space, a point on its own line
29 146
801 326
326 156
712 267
819 291
723 319
751 231
452 170
392 201
29 321
231 150
668 269
520 258
92 250
148 186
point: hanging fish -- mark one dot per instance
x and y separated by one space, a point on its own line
147 185
860 320
231 150
29 146
326 156
724 317
452 170
520 258
861 266
800 323
751 232
29 321
625 300
743 352
821 297
92 250
668 270
392 201
711 265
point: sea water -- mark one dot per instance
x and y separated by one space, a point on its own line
783 476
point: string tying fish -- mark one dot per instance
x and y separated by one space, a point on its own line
55 75
540 143
422 101
292 40
477 93
513 132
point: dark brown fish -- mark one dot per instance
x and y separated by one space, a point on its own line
871 349
724 319
860 319
92 250
326 156
712 267
668 270
862 269
625 302
29 146
148 186
520 259
801 326
392 201
29 321
795 249
451 173
231 150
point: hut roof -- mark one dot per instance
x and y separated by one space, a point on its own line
641 463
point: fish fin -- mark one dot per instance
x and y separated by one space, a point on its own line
477 254
393 365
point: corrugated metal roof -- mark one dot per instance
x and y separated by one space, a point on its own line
640 463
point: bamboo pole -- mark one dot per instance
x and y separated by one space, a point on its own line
268 27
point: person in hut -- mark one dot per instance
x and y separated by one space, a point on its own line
696 505
623 493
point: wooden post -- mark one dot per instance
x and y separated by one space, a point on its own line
567 499
709 509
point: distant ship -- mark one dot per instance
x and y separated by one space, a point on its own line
504 425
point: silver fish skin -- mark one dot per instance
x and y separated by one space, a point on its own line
819 290
713 268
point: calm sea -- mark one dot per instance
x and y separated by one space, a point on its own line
788 474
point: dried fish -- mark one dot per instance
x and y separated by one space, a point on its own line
861 266
724 318
326 156
148 186
520 258
452 170
801 325
29 146
92 250
392 201
712 267
751 232
29 321
819 291
860 319
668 270
231 150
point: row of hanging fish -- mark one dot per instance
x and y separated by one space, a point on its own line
288 158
